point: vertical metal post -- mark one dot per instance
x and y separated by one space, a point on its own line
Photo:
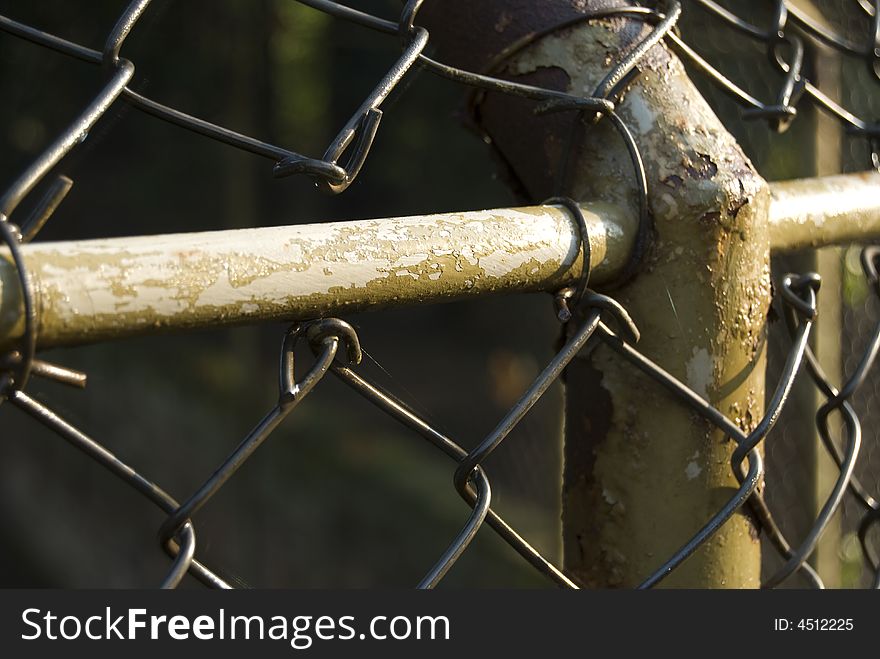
643 473
796 459
829 330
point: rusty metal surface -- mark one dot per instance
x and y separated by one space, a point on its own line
530 158
452 22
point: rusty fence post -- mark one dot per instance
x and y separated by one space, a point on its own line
642 472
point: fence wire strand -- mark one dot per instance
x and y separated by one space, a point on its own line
336 345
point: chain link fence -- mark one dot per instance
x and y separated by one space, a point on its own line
786 35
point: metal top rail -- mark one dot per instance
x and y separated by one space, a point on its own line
94 290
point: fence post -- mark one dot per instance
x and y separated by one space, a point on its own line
796 460
642 473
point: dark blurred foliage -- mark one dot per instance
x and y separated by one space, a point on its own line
340 495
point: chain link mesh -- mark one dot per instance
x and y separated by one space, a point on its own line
786 34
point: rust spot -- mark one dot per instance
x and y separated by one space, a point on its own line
530 157
673 181
710 218
735 205
701 167
751 523
588 422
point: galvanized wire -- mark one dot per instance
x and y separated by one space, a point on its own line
334 171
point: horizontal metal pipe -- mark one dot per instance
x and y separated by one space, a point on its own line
94 290
830 210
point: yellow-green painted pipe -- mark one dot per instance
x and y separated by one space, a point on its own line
94 290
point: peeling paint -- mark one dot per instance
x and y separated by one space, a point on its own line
700 372
98 289
716 271
640 112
